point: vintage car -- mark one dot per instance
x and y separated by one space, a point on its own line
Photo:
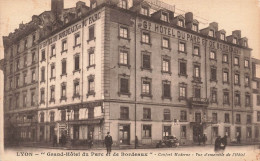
168 141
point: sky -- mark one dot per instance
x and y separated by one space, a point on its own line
231 15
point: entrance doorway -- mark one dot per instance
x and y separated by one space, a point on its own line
124 134
52 132
197 131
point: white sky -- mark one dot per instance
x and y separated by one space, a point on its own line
231 15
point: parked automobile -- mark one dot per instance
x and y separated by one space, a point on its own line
168 141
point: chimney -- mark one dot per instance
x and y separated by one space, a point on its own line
214 25
237 33
57 6
188 17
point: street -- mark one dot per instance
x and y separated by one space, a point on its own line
236 153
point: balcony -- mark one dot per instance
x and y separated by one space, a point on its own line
198 102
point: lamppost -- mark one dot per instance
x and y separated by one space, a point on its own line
68 142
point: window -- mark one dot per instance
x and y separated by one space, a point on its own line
146 37
18 47
146 86
24 78
246 63
236 61
258 100
76 88
225 77
63 91
248 119
10 103
197 92
212 55
225 58
147 131
76 114
124 113
64 46
123 32
258 116
17 100
146 57
214 118
195 27
167 114
53 74
91 84
64 67
213 74
77 39
33 75
183 68
237 99
166 42
52 94
237 79
32 99
183 131
196 50
246 81
53 51
249 132
226 97
166 130
164 17
147 113
145 11
33 38
52 116
227 120
234 40
196 71
25 44
91 57
42 96
123 4
166 64
124 85
183 91
90 112
63 115
227 131
211 33
33 57
76 62
123 57
17 64
183 116
43 55
247 101
11 83
181 22
42 117
24 99
25 61
214 98
42 74
11 68
222 36
182 47
91 33
166 89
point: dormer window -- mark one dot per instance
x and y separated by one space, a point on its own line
93 4
222 36
145 11
234 40
66 20
195 27
164 16
181 23
123 4
79 13
245 43
211 33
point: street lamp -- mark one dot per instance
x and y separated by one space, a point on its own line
68 142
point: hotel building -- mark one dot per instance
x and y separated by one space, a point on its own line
131 67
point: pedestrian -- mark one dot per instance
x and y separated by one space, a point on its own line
90 141
204 139
54 140
199 139
63 139
238 138
217 144
136 141
223 142
108 143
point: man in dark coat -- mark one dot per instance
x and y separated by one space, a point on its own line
204 139
238 138
224 142
108 143
217 144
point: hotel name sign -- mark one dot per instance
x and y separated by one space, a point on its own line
172 32
72 29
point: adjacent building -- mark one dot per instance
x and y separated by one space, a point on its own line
130 67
